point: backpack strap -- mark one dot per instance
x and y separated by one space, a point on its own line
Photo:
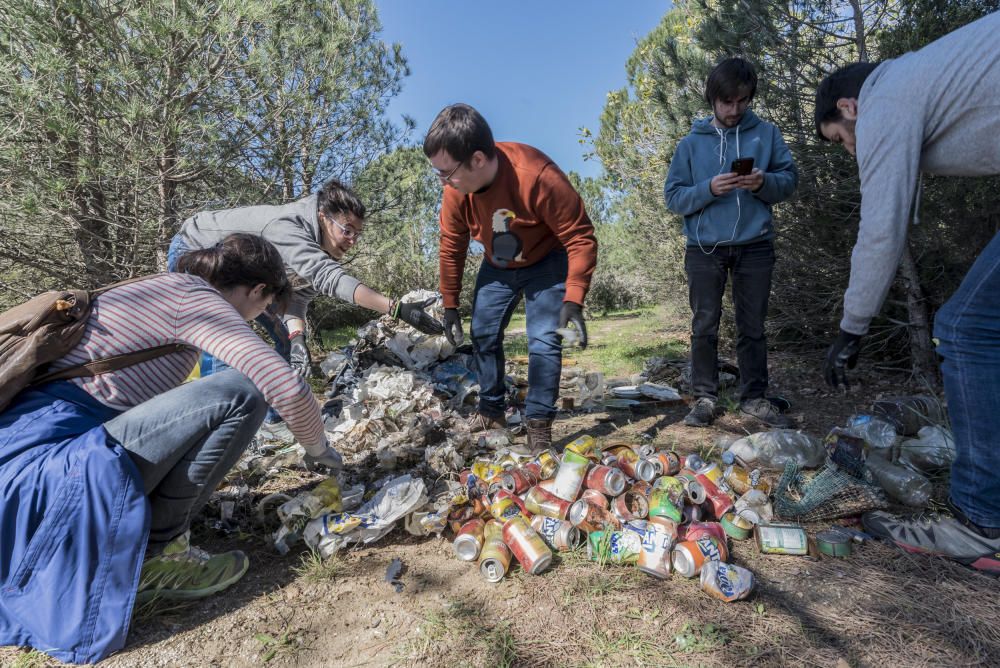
108 364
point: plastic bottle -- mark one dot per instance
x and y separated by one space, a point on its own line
877 433
906 486
933 450
773 449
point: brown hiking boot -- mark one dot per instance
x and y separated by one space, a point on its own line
479 422
539 435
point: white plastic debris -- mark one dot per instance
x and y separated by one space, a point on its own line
398 497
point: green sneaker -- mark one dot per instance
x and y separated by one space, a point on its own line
185 572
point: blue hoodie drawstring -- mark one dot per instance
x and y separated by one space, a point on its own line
723 144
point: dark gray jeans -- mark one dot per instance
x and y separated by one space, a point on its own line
750 267
184 441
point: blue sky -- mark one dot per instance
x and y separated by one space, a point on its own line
537 71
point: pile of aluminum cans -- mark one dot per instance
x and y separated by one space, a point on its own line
629 505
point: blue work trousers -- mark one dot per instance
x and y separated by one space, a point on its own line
968 330
498 292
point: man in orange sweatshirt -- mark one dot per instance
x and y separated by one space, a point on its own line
539 244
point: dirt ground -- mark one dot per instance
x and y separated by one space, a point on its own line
879 607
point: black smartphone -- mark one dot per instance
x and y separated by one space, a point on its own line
742 166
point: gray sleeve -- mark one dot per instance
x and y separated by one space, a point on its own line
889 143
306 257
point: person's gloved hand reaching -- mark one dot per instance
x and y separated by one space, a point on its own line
413 314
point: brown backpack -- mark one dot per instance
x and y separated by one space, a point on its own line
47 327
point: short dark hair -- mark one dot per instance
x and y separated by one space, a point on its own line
461 131
843 83
334 197
727 79
240 260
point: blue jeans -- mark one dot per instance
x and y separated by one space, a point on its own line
498 292
968 330
184 441
273 325
751 266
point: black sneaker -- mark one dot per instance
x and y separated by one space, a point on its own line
766 412
702 414
937 535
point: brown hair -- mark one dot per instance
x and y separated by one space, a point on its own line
334 197
240 260
728 78
461 131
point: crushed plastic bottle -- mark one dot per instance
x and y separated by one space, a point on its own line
876 432
902 484
773 449
909 414
932 450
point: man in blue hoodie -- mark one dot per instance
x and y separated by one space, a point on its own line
730 232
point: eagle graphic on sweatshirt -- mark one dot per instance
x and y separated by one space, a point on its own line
507 246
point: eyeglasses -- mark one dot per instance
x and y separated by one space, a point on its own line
447 177
348 232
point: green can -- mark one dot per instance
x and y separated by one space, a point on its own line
833 543
661 505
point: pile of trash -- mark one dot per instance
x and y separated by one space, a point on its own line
395 398
630 505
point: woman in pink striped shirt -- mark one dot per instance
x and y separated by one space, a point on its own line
97 471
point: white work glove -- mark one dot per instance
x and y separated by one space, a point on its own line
330 459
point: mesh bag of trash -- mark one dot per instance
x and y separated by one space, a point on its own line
828 494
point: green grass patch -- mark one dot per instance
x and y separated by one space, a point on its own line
337 337
31 659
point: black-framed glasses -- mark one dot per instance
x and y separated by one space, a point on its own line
447 177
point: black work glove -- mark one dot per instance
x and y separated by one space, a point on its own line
842 355
453 327
573 313
299 356
413 314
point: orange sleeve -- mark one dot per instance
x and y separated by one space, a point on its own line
562 209
453 247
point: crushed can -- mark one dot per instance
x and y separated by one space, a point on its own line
665 524
726 582
517 500
629 462
689 557
469 540
781 539
692 487
737 526
504 508
606 480
696 530
494 558
615 547
661 504
585 446
630 506
674 487
526 545
560 535
596 497
691 514
569 478
718 499
538 501
547 464
521 479
654 558
589 517
669 461
642 487
459 516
